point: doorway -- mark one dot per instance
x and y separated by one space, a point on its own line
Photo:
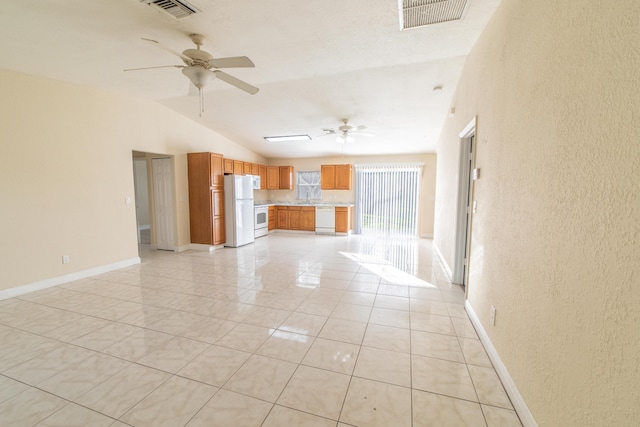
154 197
141 191
465 205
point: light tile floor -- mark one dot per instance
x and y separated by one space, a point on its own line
294 330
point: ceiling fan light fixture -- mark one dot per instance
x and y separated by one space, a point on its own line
345 138
198 75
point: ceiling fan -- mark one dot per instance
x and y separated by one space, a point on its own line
346 132
200 66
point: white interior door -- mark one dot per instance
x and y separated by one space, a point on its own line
163 203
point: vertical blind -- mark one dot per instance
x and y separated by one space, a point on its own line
387 198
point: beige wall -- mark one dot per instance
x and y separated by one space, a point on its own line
555 245
427 185
66 168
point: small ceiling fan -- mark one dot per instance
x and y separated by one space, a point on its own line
346 132
200 66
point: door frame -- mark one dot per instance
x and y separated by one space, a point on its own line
464 212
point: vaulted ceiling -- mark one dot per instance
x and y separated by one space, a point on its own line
316 62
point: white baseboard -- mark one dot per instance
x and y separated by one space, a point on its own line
509 385
426 236
447 270
55 281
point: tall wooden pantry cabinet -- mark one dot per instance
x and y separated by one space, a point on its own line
206 198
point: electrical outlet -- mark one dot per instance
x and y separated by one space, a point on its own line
493 315
65 259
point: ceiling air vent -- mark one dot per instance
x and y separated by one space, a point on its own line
418 13
175 8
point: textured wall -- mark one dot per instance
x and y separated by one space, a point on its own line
555 242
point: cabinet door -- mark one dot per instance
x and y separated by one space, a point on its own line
238 167
228 165
272 218
217 174
282 218
255 169
328 177
286 177
342 220
343 177
247 168
294 218
308 219
217 210
273 178
263 177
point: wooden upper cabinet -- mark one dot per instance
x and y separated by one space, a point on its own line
263 177
247 168
343 177
328 177
228 165
286 178
273 178
335 177
238 167
255 169
217 172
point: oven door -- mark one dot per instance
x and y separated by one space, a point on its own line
261 217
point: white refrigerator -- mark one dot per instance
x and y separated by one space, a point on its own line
238 210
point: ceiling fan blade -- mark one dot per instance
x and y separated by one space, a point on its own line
357 128
235 82
362 133
156 43
231 62
150 68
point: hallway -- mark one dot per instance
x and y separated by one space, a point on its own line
294 330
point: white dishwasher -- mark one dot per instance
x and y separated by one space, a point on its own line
325 220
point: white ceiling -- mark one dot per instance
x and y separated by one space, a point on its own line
316 63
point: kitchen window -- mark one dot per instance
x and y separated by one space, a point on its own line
308 184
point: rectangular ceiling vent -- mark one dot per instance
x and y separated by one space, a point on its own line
175 8
418 13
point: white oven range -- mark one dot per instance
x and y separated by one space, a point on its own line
260 221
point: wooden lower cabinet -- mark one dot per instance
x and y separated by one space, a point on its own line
282 218
343 219
308 218
296 218
272 218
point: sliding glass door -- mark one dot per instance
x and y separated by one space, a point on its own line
387 199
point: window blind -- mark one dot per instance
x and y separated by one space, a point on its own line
387 198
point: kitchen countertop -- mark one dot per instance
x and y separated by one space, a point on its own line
290 203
